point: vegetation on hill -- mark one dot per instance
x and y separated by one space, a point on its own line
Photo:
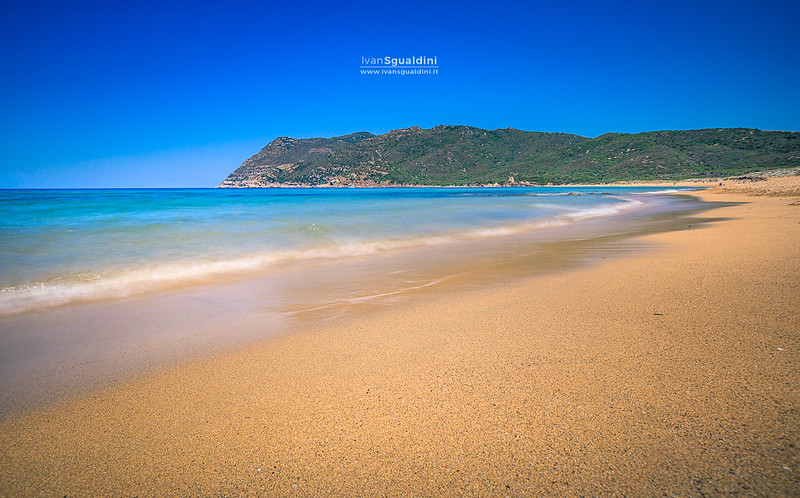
463 155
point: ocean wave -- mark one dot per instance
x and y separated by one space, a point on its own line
659 192
557 194
26 297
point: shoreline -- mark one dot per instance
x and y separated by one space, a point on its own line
27 290
673 370
60 352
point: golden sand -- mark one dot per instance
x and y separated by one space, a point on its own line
671 371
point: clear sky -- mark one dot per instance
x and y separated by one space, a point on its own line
178 94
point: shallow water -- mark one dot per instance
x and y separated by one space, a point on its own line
65 246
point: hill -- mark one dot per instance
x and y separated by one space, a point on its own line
463 155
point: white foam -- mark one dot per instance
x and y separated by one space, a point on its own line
556 194
611 210
657 192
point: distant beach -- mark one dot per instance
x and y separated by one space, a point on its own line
613 342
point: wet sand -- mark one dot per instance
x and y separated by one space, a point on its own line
672 370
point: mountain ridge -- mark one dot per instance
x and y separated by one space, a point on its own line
465 155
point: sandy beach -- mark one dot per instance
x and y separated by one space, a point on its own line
674 371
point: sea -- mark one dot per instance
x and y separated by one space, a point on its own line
96 285
65 246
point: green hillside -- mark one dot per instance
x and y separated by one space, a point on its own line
463 155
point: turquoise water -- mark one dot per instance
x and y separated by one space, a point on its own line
64 246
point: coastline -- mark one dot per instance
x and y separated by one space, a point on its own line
52 353
674 370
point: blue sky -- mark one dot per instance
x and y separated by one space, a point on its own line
178 94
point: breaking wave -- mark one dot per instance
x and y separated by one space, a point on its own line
83 287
